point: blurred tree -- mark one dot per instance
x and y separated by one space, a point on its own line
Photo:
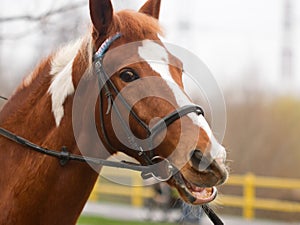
263 136
39 34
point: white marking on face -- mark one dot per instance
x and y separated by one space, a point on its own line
153 53
62 85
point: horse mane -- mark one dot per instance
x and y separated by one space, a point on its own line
71 58
38 82
141 25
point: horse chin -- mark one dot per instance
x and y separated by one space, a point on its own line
191 193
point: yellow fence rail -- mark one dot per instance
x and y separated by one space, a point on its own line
249 202
137 191
133 186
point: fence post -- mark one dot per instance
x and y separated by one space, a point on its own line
137 190
94 194
249 196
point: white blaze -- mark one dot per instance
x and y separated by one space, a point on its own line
153 53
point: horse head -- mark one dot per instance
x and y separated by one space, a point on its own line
154 90
118 88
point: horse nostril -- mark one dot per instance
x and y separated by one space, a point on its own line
196 154
198 161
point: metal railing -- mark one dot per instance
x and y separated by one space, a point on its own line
248 201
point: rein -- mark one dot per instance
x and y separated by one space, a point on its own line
3 98
148 170
65 156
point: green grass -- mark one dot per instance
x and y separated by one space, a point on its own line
92 220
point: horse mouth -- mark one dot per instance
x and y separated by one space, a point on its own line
191 193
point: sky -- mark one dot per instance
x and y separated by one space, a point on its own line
239 40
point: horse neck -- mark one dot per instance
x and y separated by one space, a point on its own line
35 188
43 102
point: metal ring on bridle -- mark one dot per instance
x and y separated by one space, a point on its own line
163 169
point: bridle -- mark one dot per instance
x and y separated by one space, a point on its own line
147 157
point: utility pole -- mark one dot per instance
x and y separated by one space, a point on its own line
287 57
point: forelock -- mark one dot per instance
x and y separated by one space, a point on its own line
137 25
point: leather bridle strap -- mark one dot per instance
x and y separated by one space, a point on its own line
65 156
106 83
172 117
212 215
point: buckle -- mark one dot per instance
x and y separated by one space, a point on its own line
161 170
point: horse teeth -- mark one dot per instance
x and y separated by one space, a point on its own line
203 193
198 189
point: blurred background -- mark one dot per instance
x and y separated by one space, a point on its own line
252 47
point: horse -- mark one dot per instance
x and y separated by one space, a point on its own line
36 188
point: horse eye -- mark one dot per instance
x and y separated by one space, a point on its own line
128 75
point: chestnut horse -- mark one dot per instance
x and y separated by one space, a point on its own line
35 188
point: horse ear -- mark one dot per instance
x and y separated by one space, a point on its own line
101 12
151 8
